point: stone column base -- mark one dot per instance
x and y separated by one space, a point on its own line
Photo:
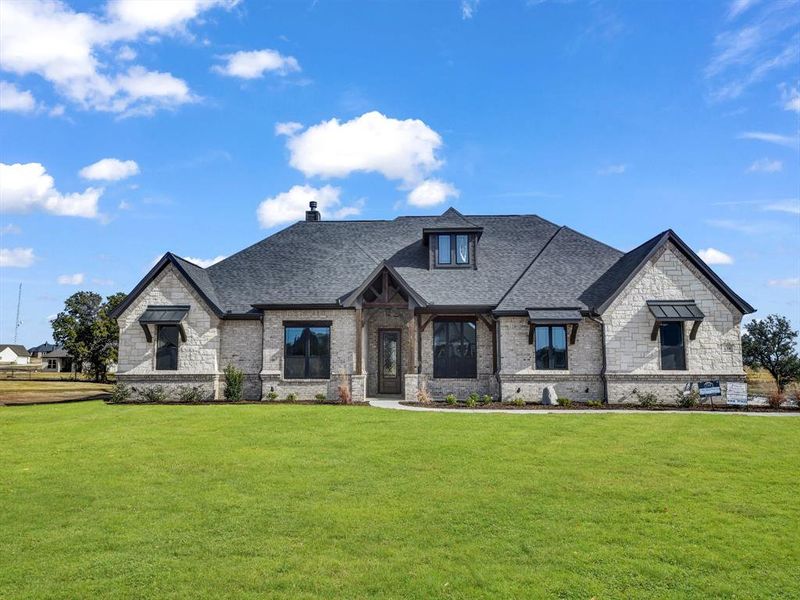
358 388
411 384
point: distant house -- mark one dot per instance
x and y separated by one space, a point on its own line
14 354
42 349
53 358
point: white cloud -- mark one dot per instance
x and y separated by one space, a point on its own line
13 99
253 64
69 48
110 169
613 169
204 262
468 8
770 138
399 150
132 17
24 187
75 279
788 206
746 227
10 229
790 98
765 165
16 257
126 53
289 128
57 111
291 206
747 52
790 282
737 7
431 192
712 256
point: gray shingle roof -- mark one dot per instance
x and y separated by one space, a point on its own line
46 347
322 262
59 352
558 276
523 262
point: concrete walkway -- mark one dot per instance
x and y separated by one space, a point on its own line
395 405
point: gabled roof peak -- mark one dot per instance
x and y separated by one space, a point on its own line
451 219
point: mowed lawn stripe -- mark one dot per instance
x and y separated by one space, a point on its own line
321 501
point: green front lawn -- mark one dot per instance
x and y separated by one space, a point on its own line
354 502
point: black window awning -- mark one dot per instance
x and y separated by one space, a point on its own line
554 316
164 315
675 311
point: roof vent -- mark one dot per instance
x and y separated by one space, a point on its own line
312 214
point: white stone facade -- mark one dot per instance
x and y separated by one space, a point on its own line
256 346
198 356
634 360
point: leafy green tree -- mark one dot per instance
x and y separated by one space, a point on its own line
769 344
87 331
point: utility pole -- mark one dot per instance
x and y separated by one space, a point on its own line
17 323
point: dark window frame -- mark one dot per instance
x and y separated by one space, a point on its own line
160 365
306 326
454 262
451 369
682 346
551 352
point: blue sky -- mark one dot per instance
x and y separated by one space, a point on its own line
618 119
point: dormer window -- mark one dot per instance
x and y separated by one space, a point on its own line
452 240
453 250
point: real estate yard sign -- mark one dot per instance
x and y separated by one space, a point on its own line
737 393
709 388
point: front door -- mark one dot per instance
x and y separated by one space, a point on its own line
389 361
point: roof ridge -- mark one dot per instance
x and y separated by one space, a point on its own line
588 237
211 268
366 252
658 242
528 268
188 261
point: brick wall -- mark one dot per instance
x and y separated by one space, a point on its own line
343 352
240 346
519 378
485 383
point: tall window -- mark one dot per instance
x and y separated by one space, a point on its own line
167 348
452 249
307 351
443 256
673 354
455 353
551 347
